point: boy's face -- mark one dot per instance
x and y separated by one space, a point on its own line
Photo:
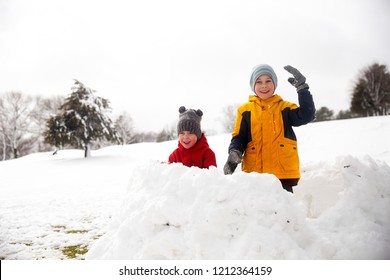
264 87
187 139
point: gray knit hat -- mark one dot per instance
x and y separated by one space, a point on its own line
262 69
189 120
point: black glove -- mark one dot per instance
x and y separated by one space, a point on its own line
233 160
299 81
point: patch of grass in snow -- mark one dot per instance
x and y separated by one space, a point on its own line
61 228
75 251
28 244
75 231
58 228
96 237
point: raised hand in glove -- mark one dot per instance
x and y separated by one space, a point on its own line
299 81
233 160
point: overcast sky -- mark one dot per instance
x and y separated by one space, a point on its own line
149 57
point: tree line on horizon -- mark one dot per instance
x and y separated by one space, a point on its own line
83 120
370 96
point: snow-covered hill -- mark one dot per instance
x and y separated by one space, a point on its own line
124 203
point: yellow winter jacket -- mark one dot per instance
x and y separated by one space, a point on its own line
263 133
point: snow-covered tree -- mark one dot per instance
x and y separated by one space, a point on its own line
82 119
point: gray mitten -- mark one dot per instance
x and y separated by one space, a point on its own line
233 160
299 81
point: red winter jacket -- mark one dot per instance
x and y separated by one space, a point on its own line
199 155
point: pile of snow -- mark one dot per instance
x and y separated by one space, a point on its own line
123 203
348 204
189 213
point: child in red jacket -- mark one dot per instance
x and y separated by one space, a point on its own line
193 149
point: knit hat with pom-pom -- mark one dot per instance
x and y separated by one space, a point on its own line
189 120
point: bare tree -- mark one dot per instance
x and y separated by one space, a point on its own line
229 117
167 134
145 137
125 128
3 130
44 109
15 111
20 136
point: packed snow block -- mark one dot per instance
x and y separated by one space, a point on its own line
176 212
350 207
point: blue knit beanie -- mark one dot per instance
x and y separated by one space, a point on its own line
262 69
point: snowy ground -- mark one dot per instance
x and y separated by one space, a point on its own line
123 203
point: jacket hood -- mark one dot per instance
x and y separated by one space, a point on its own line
273 99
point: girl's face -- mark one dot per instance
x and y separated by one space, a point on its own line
187 139
264 87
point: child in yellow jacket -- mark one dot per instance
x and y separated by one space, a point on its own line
263 138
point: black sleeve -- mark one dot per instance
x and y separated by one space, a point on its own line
305 113
240 141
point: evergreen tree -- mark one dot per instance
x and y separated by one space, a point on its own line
344 114
56 133
371 94
324 114
82 119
